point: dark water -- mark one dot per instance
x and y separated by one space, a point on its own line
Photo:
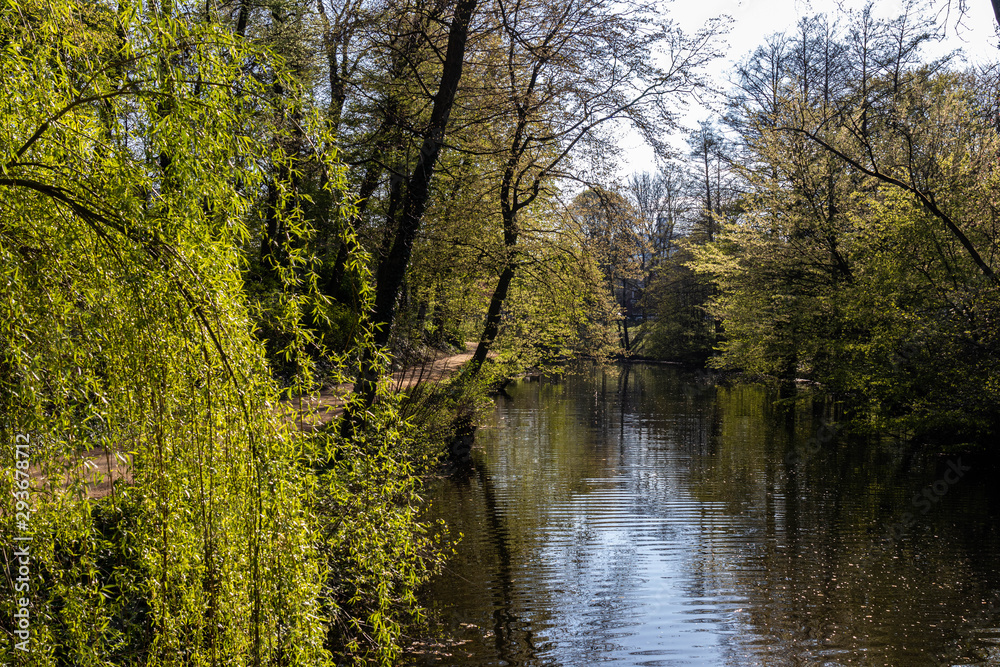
647 518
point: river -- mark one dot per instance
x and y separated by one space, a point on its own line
647 516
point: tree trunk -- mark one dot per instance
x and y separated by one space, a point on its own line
626 343
492 326
392 268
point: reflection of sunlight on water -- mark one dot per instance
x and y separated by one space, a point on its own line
662 527
634 536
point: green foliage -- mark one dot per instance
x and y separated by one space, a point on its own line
126 330
682 330
559 309
136 158
376 549
561 304
861 257
677 210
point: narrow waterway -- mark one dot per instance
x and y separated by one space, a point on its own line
645 516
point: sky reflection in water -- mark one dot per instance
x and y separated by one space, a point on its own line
642 518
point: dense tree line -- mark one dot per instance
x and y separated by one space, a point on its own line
837 223
863 250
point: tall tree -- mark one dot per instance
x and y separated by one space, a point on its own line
392 267
613 231
570 70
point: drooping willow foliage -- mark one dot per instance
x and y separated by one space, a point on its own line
135 148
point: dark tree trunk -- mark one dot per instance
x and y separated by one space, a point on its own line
492 327
392 268
244 16
270 232
626 343
509 206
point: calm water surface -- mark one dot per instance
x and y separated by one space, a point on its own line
644 517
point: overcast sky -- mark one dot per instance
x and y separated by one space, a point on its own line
755 20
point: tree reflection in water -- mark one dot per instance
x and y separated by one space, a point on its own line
618 516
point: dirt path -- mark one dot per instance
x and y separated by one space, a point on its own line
312 413
97 471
